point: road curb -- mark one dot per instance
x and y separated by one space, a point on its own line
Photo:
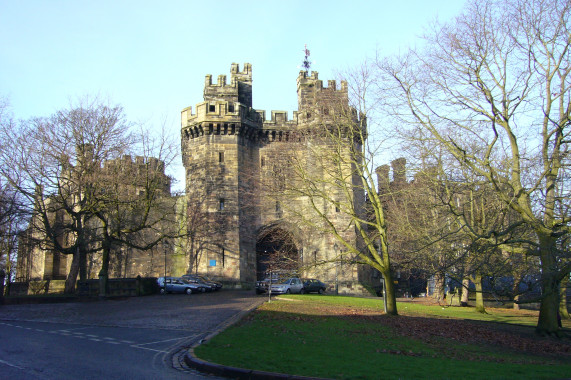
237 373
234 372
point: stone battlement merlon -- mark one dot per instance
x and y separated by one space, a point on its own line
238 90
127 161
227 111
311 93
279 120
235 71
313 79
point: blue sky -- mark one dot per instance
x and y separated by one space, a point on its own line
151 57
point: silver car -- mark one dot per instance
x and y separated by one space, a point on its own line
291 285
176 285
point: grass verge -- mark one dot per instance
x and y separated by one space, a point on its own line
349 338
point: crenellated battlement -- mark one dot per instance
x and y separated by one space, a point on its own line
238 90
279 120
243 75
311 93
139 167
227 107
313 79
215 111
221 117
127 162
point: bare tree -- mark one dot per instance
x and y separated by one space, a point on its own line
492 88
12 210
135 207
57 172
335 185
199 225
13 217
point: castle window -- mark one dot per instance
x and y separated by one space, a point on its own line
278 210
308 115
337 209
212 108
221 204
263 162
220 156
230 107
325 111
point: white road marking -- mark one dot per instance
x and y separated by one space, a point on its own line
10 364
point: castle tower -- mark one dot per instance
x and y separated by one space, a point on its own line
220 159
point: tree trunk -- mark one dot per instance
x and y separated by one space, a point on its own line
81 249
465 291
390 292
515 290
547 321
439 287
563 312
104 272
477 279
192 257
72 275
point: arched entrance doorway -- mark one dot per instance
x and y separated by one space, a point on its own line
276 251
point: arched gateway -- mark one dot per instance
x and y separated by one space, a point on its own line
276 251
228 149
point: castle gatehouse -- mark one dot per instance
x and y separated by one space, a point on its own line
229 151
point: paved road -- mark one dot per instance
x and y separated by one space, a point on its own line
142 338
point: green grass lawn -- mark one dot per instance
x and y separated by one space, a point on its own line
349 338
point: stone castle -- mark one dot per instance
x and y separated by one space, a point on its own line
235 223
229 149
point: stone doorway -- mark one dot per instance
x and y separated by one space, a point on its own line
276 251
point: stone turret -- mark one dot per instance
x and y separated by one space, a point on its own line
399 170
313 98
383 178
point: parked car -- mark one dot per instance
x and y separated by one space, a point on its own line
312 285
264 285
176 285
196 280
291 285
217 285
